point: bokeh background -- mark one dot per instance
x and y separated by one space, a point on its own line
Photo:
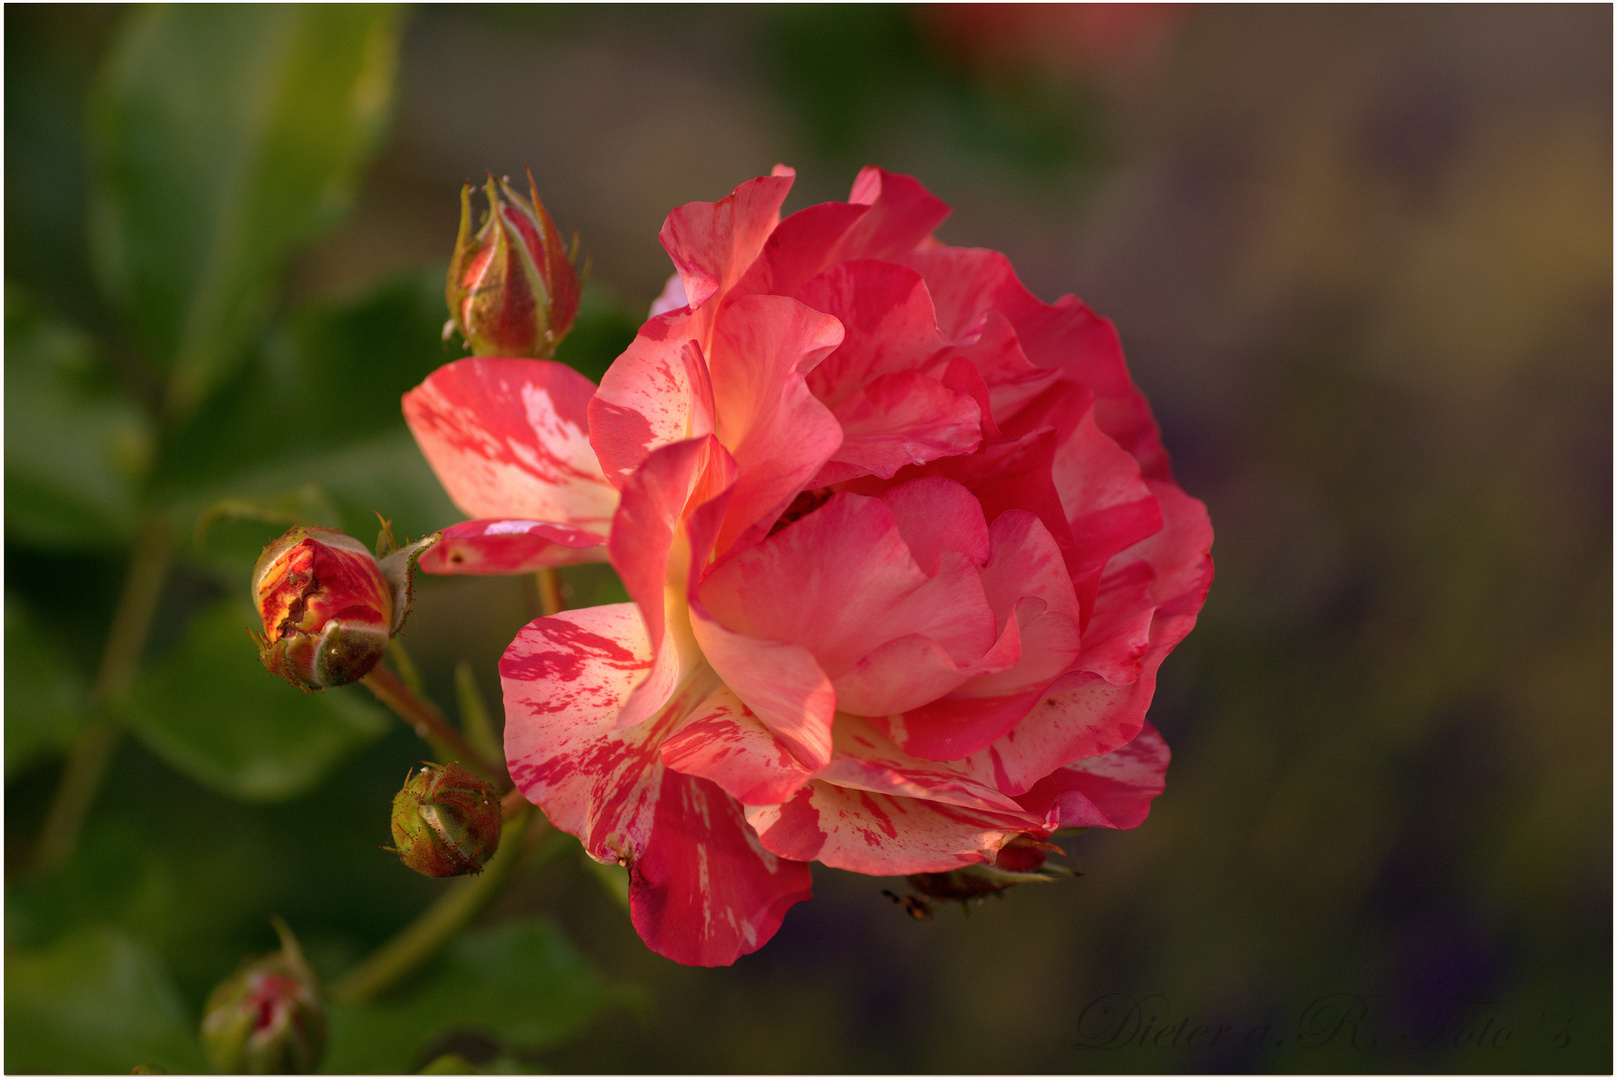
1361 263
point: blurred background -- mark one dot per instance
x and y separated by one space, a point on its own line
1361 263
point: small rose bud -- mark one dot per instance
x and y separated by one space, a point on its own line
512 290
326 605
1020 862
267 1017
446 821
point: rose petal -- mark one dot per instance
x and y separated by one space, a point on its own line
503 546
888 325
1082 715
900 419
706 891
934 515
725 742
508 438
779 434
873 833
966 283
841 582
713 244
652 551
1112 791
656 393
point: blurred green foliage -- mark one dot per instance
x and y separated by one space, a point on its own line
168 413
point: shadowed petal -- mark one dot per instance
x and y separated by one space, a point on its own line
1112 791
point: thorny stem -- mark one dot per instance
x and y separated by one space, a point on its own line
431 725
92 750
432 929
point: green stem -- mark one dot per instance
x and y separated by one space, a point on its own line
421 940
550 598
126 639
431 724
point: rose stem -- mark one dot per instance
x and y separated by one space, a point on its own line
432 929
550 600
430 724
92 749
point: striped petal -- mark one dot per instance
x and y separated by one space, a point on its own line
508 438
702 889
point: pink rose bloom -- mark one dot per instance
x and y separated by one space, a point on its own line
903 550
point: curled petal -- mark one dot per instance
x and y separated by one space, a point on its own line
656 393
1112 791
1066 336
713 244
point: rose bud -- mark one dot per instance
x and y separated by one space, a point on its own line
326 605
512 290
446 821
267 1017
1020 862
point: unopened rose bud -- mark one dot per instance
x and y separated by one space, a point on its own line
512 290
268 1016
1020 862
328 609
446 821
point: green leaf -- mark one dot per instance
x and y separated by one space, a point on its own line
211 711
520 981
223 137
76 447
45 694
326 379
96 1002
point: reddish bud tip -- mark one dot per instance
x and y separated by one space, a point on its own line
268 1016
326 606
512 289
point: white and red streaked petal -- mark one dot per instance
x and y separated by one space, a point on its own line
779 434
509 438
900 419
868 760
1112 791
702 890
565 678
656 393
504 546
725 742
705 891
870 832
713 244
